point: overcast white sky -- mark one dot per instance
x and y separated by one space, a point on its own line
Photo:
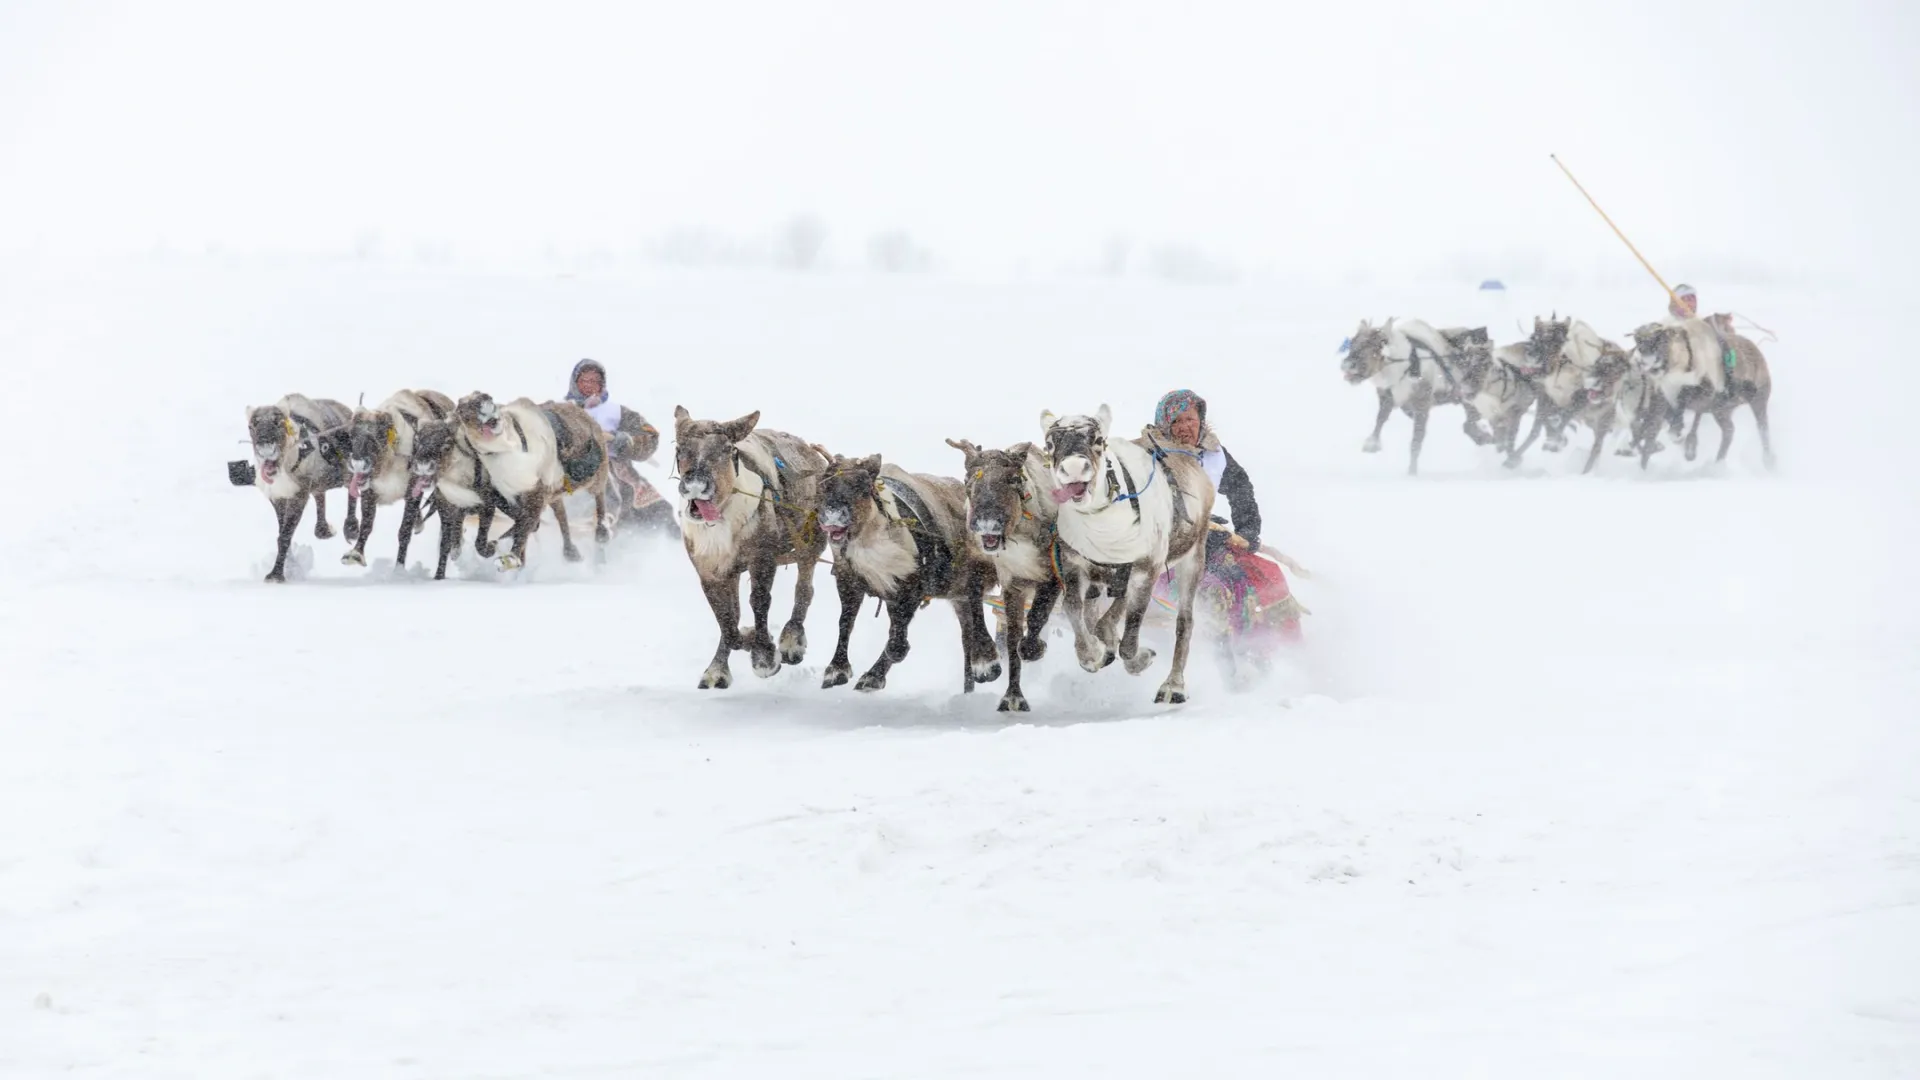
1357 132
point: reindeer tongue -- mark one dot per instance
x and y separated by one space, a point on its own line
419 486
1069 493
354 480
706 509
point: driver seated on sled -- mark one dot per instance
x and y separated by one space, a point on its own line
1181 417
632 437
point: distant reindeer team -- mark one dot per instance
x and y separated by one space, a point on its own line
435 456
1567 374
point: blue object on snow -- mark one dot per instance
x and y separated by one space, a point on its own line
1345 344
1492 285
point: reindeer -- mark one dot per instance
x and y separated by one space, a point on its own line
379 449
1563 352
1673 356
299 451
534 456
748 505
1499 385
902 537
1120 527
1015 531
1391 356
1685 362
1613 394
446 465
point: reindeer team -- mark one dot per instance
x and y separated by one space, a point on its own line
1567 374
1074 519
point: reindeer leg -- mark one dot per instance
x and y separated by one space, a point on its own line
1472 427
410 522
357 555
1723 419
723 596
1759 406
1138 595
1599 437
1014 596
1372 445
766 661
452 524
983 657
490 500
559 507
1539 421
900 610
288 512
1186 577
793 636
852 594
351 527
1092 652
1045 594
321 529
602 531
526 518
1693 434
1419 413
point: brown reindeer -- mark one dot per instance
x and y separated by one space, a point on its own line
902 537
299 451
534 456
446 467
1684 362
1014 528
379 456
747 505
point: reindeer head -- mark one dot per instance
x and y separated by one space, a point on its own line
997 492
1650 347
481 416
706 458
274 438
1549 337
1602 381
1366 351
848 496
433 445
370 440
1075 447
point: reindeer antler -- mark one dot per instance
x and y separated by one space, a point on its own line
965 446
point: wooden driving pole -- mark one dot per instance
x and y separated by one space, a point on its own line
1616 231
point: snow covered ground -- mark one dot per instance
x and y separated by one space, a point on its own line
1577 776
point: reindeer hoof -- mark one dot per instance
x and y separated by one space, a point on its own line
277 577
322 530
571 553
765 663
510 561
1170 696
985 671
716 678
484 547
1371 446
1014 701
793 645
870 682
1033 649
836 676
353 558
352 530
1141 660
